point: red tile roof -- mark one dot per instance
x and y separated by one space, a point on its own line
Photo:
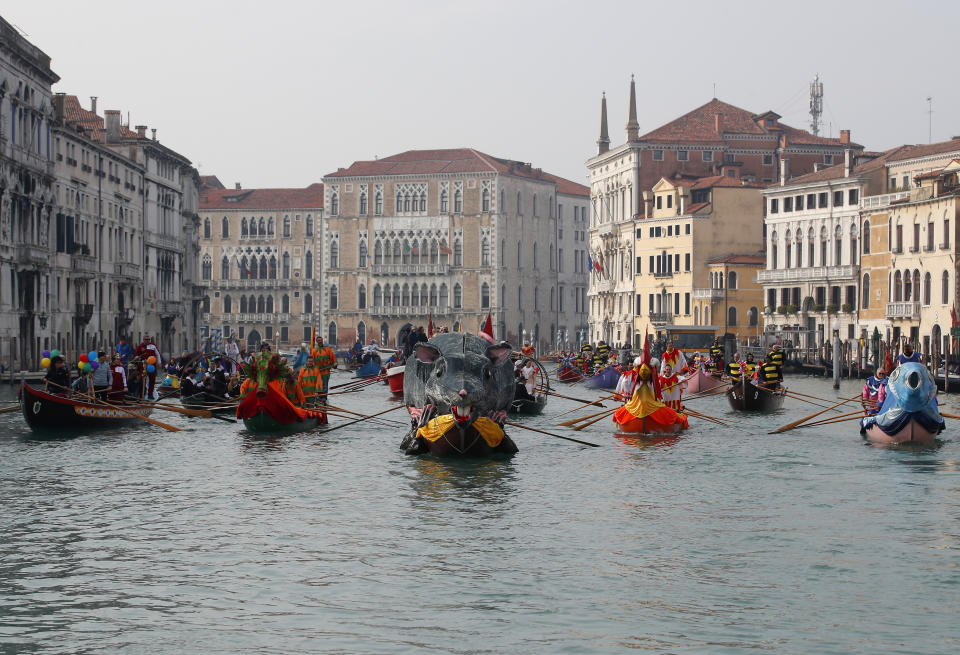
695 207
74 113
453 161
898 153
724 181
264 199
700 126
211 182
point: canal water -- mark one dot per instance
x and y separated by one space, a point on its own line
722 540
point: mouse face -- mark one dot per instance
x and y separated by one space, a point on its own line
460 374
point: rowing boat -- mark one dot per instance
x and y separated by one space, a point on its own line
46 411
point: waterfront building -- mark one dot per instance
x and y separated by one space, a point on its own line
27 203
452 235
691 266
714 139
258 262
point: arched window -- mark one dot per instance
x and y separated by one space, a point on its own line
414 296
377 253
332 335
732 280
423 201
362 332
333 297
309 226
252 303
286 226
753 316
457 296
269 305
206 304
444 201
865 292
224 227
261 227
263 268
396 295
916 286
810 247
732 316
384 333
485 200
286 265
224 268
458 252
405 295
927 288
823 245
334 203
243 227
377 296
536 298
363 202
285 304
897 287
458 201
227 304
206 228
519 249
433 295
362 297
270 226
334 255
243 304
484 252
866 237
424 252
434 252
362 256
534 255
773 250
397 251
308 265
553 298
308 304
272 272
424 299
207 267
503 297
485 295
945 288
409 251
378 203
838 246
444 297
261 304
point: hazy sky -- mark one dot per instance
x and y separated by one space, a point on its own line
280 93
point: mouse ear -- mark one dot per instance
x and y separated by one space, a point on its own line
499 352
426 353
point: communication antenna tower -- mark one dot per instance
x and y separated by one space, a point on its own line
929 119
816 104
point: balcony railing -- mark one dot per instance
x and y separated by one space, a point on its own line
712 294
164 241
31 254
399 311
85 264
875 202
259 283
84 313
170 307
409 269
126 269
660 318
807 274
908 310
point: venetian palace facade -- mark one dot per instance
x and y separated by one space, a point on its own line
258 262
454 235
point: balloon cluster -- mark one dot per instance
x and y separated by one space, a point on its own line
88 362
48 356
151 364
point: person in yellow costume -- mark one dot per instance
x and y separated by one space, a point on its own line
324 359
644 412
489 429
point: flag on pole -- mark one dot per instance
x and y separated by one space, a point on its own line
589 262
430 327
487 328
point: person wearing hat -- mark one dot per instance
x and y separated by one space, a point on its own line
671 388
527 350
674 359
101 376
118 378
144 351
628 381
874 392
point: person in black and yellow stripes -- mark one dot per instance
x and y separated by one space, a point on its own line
603 350
733 369
769 375
775 357
716 354
749 367
597 362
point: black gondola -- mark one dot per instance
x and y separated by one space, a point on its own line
209 401
47 412
528 407
752 398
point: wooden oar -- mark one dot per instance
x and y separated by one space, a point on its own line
595 403
825 400
790 426
551 434
567 424
954 416
165 426
858 413
833 420
578 400
609 412
370 416
198 413
706 417
7 410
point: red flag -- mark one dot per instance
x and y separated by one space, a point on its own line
953 316
487 328
430 327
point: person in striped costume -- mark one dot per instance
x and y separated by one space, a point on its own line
325 359
309 380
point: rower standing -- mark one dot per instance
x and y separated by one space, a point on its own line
735 369
118 379
908 354
603 350
671 388
716 354
673 358
769 375
775 356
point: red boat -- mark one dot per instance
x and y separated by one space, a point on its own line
700 381
567 373
47 412
395 379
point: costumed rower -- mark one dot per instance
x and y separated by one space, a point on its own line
671 388
674 359
628 381
716 354
908 354
118 378
769 375
735 369
775 356
645 412
324 359
874 392
603 350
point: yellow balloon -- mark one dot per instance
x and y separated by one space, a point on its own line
45 362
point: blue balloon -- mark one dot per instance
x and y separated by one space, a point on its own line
151 368
92 355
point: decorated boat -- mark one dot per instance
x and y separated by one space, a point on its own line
47 412
909 413
750 397
700 381
395 379
264 406
369 369
645 413
605 378
459 388
569 373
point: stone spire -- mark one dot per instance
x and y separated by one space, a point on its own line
633 127
603 143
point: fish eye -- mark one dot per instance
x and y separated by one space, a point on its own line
438 371
895 374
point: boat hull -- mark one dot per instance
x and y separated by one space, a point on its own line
263 423
203 400
912 432
700 382
46 412
467 443
527 407
395 379
641 426
605 379
369 370
751 398
569 374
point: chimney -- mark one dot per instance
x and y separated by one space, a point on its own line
112 120
154 132
716 122
648 203
236 186
817 166
142 131
844 136
784 170
58 101
847 162
93 104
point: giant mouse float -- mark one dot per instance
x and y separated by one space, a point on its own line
457 388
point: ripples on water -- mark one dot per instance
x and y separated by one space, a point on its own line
209 540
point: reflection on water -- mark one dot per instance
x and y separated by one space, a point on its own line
478 480
647 440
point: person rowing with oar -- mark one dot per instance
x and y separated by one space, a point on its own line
628 381
874 392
